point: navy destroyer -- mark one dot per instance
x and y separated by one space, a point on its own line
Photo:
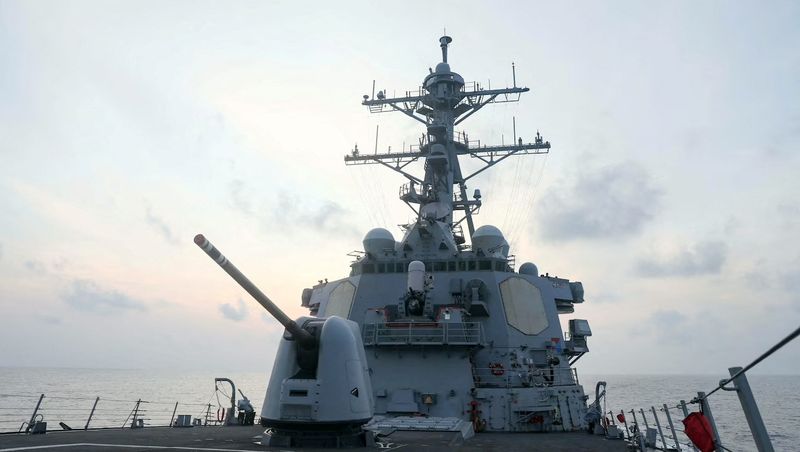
451 328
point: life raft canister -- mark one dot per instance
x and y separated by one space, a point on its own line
698 429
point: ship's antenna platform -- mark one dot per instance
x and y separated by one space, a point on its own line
442 102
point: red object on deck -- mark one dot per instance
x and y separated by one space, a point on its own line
698 429
621 417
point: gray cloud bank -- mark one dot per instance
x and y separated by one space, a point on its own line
87 296
703 258
160 226
612 202
290 210
235 313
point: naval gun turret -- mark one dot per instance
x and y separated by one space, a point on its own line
319 392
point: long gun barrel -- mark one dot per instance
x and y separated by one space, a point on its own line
302 336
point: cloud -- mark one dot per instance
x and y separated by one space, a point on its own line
703 258
790 281
49 319
668 319
789 215
87 296
325 216
36 267
237 314
240 198
160 226
611 202
288 209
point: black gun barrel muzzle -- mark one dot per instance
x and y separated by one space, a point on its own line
302 336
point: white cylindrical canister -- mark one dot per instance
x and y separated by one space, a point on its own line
416 276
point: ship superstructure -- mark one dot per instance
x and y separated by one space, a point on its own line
453 330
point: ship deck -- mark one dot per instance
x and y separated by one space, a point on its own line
248 439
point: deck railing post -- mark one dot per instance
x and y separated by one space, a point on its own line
710 416
625 421
671 428
751 412
33 416
639 436
172 419
685 415
91 414
644 419
658 426
208 413
135 413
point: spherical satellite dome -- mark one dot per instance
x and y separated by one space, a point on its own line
378 240
487 230
529 268
490 241
442 68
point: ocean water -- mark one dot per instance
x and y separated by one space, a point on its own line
778 399
71 393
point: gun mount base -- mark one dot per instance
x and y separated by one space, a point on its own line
316 435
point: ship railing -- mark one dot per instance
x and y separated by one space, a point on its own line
422 333
666 436
420 91
29 413
646 429
471 86
498 376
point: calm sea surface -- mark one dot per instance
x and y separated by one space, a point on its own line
71 393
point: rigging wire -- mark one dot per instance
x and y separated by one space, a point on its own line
357 182
380 195
519 198
529 203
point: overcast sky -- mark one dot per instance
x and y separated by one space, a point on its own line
671 190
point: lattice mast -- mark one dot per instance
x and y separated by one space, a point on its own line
441 103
